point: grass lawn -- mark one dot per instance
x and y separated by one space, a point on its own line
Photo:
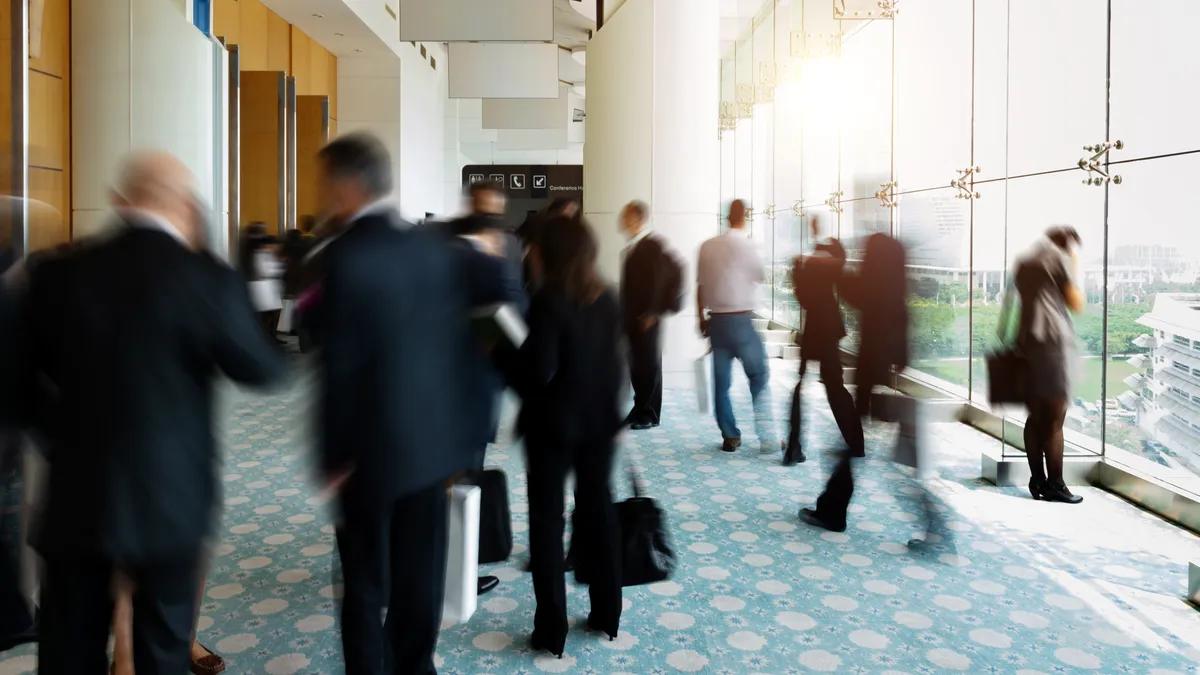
1087 386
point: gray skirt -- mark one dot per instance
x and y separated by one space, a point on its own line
1051 370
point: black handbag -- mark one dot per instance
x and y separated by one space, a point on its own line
1008 377
645 545
495 519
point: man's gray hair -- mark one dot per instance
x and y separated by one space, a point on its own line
360 157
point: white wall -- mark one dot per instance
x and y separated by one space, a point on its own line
142 77
400 100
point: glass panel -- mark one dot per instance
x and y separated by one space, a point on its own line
819 133
935 229
1056 87
933 93
1153 416
1153 52
866 99
989 273
990 89
1035 204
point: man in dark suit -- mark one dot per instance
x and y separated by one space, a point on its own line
644 291
396 334
121 340
814 279
481 404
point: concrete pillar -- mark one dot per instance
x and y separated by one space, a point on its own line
653 93
142 77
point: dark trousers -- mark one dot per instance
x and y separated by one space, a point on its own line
77 608
834 502
840 402
1044 438
397 550
645 373
595 539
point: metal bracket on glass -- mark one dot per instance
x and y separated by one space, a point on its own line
750 215
864 10
886 194
1095 166
835 201
806 45
770 212
764 93
798 208
965 183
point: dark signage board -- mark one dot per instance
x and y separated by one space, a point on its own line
557 181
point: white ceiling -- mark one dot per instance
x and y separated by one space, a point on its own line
341 26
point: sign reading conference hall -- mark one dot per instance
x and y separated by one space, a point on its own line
558 181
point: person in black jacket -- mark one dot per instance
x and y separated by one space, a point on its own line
644 291
123 338
814 279
396 345
571 385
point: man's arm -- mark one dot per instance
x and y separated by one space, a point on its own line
238 345
701 273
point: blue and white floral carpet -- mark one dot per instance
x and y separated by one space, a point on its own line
1024 587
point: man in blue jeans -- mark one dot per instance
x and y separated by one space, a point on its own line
727 279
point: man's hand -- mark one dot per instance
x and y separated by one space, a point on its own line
649 322
492 243
704 326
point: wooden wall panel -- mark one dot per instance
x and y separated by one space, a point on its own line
302 47
47 108
260 134
227 21
55 57
254 39
310 138
279 43
48 224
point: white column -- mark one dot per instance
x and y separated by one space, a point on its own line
142 77
653 93
369 101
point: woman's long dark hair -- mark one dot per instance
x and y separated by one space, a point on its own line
568 253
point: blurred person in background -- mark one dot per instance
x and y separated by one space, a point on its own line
529 231
1046 279
128 333
727 277
649 277
814 281
395 327
572 380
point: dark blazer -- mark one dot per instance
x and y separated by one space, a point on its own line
572 371
397 341
480 404
644 282
879 293
123 339
814 280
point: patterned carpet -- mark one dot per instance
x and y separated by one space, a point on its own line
1024 588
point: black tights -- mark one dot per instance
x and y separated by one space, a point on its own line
270 322
1044 439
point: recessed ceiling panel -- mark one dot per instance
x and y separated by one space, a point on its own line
476 20
526 113
490 70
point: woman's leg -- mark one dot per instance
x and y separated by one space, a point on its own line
123 629
1035 440
597 528
1055 412
545 474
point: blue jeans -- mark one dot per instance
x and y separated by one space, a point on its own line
733 337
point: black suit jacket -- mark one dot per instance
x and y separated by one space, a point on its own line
396 355
879 293
814 280
572 370
122 343
644 282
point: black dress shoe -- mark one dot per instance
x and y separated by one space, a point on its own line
641 425
1059 493
731 444
487 584
813 518
538 643
594 625
793 456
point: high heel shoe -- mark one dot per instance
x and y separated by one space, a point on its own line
1037 489
1059 493
594 626
541 644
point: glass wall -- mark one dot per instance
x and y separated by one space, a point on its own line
959 128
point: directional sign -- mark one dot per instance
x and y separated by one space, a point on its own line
497 178
476 178
517 181
539 182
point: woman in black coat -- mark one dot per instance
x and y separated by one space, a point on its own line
572 376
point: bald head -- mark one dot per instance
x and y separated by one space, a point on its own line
158 183
737 214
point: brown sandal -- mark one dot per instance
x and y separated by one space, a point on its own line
208 665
